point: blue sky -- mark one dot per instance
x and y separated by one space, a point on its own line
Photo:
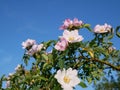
41 19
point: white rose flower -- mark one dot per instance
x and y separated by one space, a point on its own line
72 36
67 78
102 28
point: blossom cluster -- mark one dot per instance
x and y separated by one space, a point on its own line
69 36
71 24
31 46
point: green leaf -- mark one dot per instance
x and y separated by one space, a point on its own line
90 51
101 50
82 84
45 65
118 33
45 56
35 88
43 78
110 36
48 43
89 79
61 64
50 56
57 88
88 27
26 58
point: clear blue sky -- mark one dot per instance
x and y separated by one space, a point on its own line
40 20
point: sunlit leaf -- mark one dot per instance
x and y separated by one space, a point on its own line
45 56
89 79
83 85
90 51
88 27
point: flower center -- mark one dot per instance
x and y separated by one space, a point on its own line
71 38
101 30
66 79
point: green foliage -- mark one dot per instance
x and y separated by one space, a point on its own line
109 84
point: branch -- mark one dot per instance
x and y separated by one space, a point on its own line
107 63
103 62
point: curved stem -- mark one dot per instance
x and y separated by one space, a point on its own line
106 63
96 60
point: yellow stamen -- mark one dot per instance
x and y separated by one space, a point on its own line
102 30
66 79
71 38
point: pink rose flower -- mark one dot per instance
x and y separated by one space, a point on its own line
77 23
28 43
35 48
61 45
66 24
71 23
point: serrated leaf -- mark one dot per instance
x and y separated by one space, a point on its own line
82 84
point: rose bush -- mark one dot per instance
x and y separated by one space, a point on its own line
72 60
